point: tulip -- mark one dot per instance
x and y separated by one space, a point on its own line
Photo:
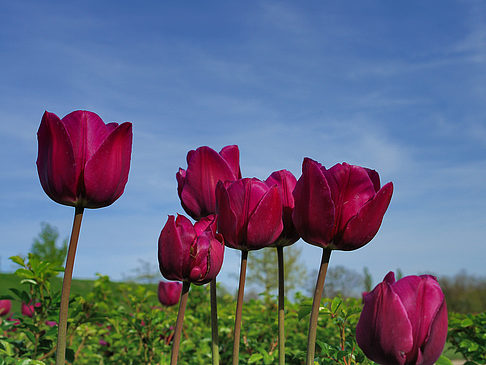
205 167
250 218
189 252
84 163
81 160
403 322
51 323
340 208
285 182
249 213
336 209
5 306
169 292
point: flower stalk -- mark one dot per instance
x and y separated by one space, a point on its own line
66 287
180 320
239 307
281 306
214 322
311 339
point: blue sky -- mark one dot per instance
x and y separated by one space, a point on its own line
398 87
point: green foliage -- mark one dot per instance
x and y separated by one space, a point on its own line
464 293
44 246
467 336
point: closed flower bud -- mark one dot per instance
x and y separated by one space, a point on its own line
205 167
169 292
403 322
28 310
285 182
340 208
82 161
249 213
190 252
5 306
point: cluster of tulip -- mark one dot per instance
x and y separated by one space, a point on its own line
84 163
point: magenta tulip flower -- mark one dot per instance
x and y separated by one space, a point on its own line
169 292
403 322
192 253
82 161
340 208
250 213
5 306
197 184
285 182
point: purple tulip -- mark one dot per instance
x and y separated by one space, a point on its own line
250 213
340 208
5 306
51 323
169 292
403 322
82 161
197 184
285 182
189 252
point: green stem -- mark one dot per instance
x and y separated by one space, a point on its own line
239 308
180 320
311 339
281 307
214 322
66 287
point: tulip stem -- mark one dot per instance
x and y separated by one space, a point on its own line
311 339
180 320
214 322
281 307
66 287
239 307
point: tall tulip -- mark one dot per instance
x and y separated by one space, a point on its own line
250 218
84 163
169 292
191 254
340 208
5 306
205 167
403 322
196 188
285 182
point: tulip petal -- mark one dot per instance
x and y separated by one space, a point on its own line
205 168
170 251
384 332
436 338
227 221
351 187
375 178
200 259
87 132
231 154
55 161
422 299
265 223
364 226
106 173
313 214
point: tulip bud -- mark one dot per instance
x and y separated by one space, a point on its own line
205 167
250 213
29 309
340 208
169 292
82 161
285 182
5 306
189 252
403 322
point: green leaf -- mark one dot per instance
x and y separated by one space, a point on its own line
18 260
443 361
30 281
304 311
335 304
467 322
254 358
